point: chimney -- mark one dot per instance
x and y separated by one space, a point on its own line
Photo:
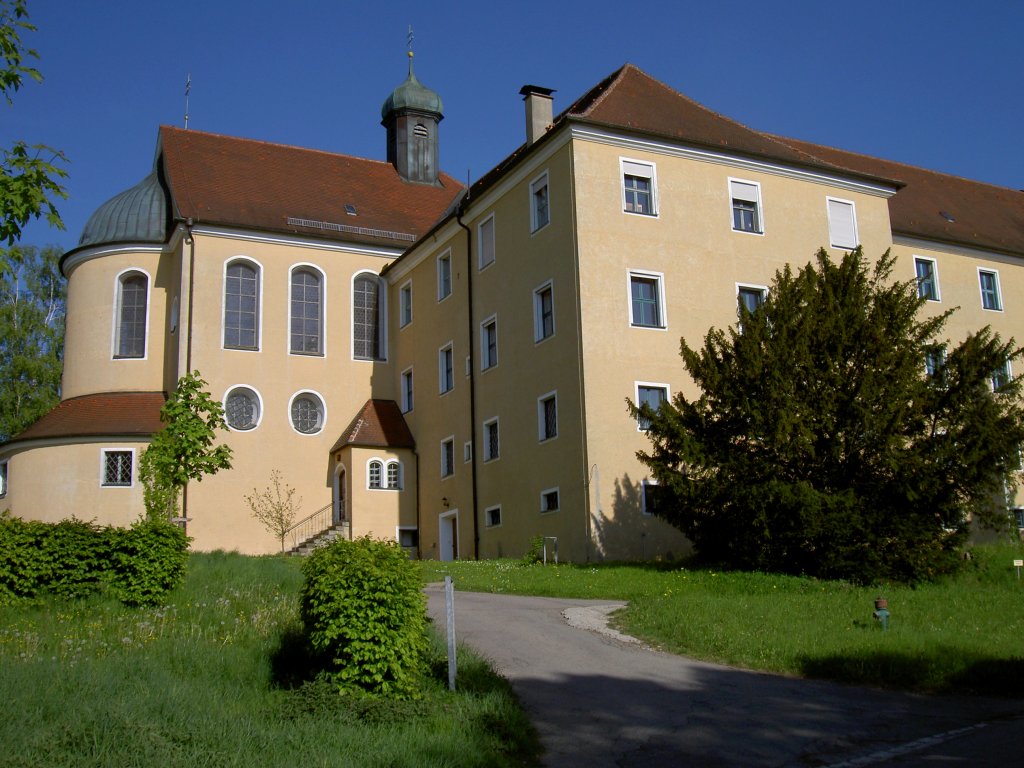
538 111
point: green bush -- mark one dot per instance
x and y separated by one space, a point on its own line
363 610
74 558
147 561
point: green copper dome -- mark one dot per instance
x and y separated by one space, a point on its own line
137 215
412 94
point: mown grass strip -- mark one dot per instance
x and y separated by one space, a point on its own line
961 635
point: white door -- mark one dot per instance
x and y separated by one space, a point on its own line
448 536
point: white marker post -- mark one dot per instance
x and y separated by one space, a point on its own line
1018 564
449 604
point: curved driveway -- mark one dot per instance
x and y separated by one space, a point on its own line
598 700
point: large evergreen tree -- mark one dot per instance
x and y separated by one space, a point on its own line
31 338
836 434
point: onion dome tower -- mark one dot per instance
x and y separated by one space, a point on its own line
137 215
411 115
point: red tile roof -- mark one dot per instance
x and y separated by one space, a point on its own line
234 182
109 414
984 216
378 424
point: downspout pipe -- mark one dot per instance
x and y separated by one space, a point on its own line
190 241
459 212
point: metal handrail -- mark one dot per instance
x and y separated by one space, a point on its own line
311 525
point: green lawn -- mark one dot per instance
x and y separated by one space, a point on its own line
963 635
207 681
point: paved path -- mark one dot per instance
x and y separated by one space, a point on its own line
600 701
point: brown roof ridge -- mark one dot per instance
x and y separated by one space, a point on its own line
378 424
276 144
803 143
99 414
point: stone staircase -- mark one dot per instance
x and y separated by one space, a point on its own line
321 539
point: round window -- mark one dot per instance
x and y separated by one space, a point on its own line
307 414
242 408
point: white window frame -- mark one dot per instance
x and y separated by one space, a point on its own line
115 336
640 169
486 436
486 242
467 452
398 536
538 311
542 435
647 482
998 290
382 315
375 461
739 189
839 228
309 393
1007 371
488 523
444 275
659 280
935 278
536 221
741 287
448 441
445 353
399 477
939 359
636 397
405 304
251 262
103 467
547 510
408 384
323 309
486 363
259 406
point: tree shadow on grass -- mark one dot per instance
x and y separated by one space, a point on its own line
978 675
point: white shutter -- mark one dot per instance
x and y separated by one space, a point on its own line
842 224
742 190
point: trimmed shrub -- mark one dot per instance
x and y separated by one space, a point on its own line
73 558
364 612
147 561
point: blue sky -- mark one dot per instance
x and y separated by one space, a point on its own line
935 84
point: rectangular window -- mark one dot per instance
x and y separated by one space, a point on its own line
935 363
448 457
1001 376
547 417
407 392
750 296
645 300
117 468
467 451
927 279
1018 516
492 517
988 281
488 343
3 479
842 223
653 498
549 500
652 395
539 213
491 446
485 242
543 312
241 306
444 275
746 206
408 538
405 305
445 372
638 187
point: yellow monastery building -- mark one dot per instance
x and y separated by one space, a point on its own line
449 367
